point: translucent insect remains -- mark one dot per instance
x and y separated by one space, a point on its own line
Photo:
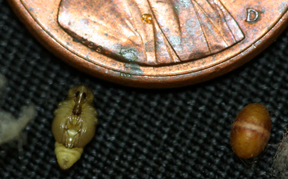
74 125
280 163
10 127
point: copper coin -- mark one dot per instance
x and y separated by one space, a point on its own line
154 43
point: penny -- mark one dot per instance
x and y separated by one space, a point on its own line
154 43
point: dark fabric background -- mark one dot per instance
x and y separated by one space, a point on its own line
172 133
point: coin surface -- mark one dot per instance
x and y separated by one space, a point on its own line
154 43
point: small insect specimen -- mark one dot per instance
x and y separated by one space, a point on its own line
280 163
147 18
250 131
74 125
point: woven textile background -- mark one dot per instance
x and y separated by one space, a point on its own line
172 133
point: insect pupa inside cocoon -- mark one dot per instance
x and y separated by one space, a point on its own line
74 125
250 131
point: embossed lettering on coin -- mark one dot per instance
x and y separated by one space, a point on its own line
252 15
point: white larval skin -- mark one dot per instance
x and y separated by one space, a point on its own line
280 163
10 127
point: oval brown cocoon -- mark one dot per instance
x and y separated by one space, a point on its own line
250 131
